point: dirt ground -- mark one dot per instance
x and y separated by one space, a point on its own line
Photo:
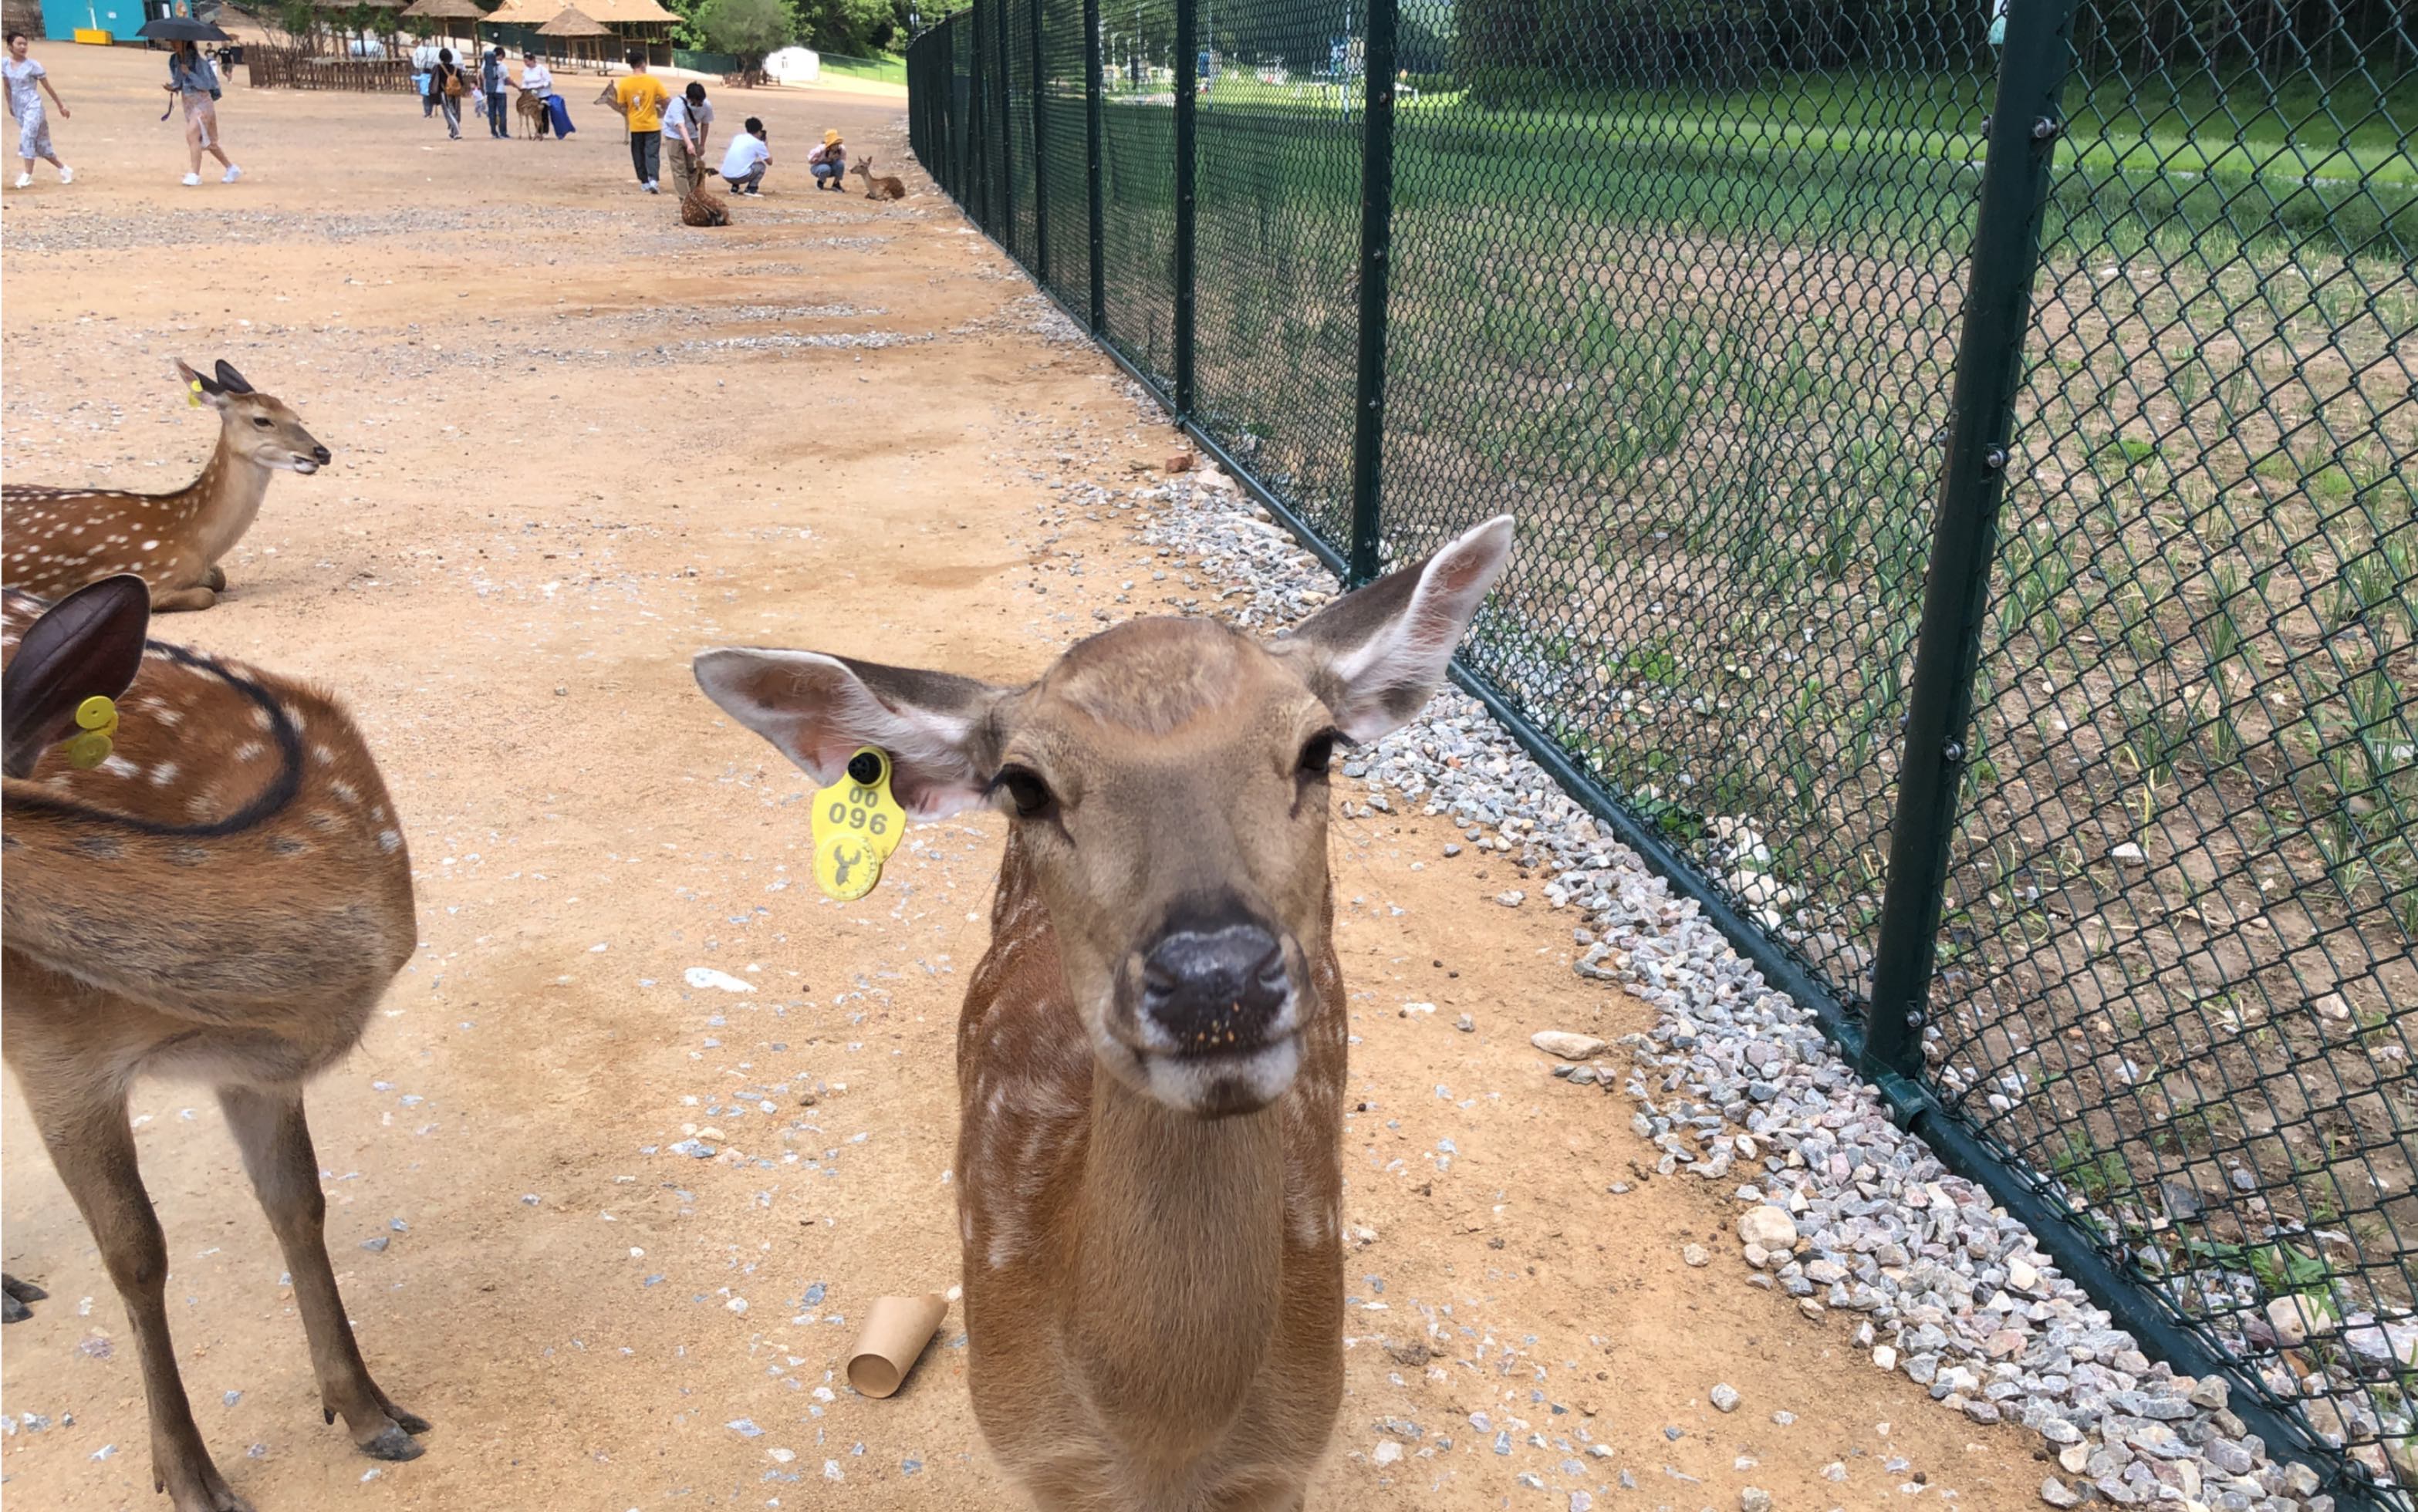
574 443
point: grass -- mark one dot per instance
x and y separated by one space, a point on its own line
889 68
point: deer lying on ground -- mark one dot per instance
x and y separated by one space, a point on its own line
880 187
56 540
1151 1055
701 207
225 896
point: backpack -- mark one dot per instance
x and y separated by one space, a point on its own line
453 89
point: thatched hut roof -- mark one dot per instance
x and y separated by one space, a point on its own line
444 10
575 22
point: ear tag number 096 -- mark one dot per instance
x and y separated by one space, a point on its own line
857 824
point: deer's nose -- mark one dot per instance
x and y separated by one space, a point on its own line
1215 991
321 455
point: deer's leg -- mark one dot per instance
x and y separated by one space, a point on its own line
276 1142
173 599
16 1294
93 1148
215 579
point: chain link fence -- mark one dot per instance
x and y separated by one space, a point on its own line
1964 463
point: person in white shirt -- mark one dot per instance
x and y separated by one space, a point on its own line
688 121
538 80
750 154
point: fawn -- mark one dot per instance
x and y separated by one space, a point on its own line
701 207
60 539
1150 1056
225 896
879 187
529 112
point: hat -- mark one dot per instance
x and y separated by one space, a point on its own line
831 139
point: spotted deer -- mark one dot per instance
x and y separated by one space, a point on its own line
56 540
224 898
1150 1056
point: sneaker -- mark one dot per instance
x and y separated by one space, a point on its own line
193 180
755 191
651 189
66 175
25 180
233 173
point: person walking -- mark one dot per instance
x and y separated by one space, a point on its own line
537 80
640 98
451 86
27 80
687 122
195 85
828 163
750 154
424 76
493 76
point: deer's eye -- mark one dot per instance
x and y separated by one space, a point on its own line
1027 791
261 420
1317 755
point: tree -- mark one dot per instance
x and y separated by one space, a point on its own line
747 29
849 28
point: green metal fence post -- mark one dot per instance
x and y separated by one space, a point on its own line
1187 85
1040 177
2024 126
1376 242
1093 109
1006 131
978 96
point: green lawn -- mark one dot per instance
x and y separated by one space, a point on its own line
888 69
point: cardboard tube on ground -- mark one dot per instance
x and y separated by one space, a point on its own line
895 1333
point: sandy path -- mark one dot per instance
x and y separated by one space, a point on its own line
574 443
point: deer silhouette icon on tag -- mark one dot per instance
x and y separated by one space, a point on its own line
857 824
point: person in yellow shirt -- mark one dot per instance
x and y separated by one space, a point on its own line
640 97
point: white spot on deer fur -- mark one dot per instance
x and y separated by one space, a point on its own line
163 774
345 791
118 766
323 756
389 841
262 718
248 751
966 1224
151 545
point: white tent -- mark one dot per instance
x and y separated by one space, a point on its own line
794 64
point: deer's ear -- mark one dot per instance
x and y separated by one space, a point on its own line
232 381
817 709
204 389
1376 656
88 643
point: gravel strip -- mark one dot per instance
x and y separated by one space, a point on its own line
1838 1207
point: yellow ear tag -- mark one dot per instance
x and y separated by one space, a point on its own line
857 825
97 720
193 394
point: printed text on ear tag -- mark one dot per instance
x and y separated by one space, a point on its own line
857 824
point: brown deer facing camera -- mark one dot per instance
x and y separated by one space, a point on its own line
224 898
53 540
1150 1056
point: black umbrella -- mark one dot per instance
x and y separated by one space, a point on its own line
181 29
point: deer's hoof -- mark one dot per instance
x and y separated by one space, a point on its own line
394 1442
14 1295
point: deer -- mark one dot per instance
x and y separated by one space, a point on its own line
1151 1054
223 897
701 207
56 539
879 187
